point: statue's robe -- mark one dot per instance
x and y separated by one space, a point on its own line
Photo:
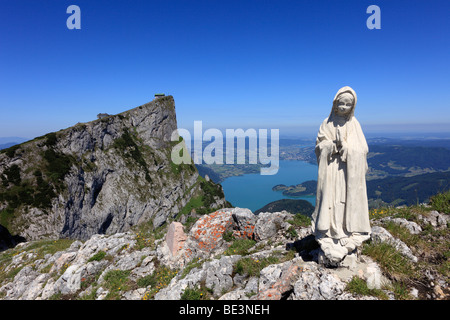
341 201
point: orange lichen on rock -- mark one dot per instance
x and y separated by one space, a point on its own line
209 229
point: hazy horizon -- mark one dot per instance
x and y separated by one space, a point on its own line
391 131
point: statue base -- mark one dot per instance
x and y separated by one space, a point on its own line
340 252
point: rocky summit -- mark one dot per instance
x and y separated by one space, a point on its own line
234 254
100 177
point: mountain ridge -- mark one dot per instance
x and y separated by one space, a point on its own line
103 176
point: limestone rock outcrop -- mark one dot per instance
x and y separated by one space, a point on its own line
216 261
100 177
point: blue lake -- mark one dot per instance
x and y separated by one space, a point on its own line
254 191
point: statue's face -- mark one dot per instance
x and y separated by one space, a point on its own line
344 104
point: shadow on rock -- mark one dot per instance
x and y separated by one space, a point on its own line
7 240
306 247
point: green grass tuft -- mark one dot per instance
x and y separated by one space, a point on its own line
98 256
441 202
253 266
359 286
201 293
391 261
300 220
116 281
240 247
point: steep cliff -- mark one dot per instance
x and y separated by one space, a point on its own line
103 177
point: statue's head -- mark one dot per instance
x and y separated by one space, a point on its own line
344 102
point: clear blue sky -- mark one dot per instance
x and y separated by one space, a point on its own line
231 64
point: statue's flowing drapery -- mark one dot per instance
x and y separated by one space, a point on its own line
341 203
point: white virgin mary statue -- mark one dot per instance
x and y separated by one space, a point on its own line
341 218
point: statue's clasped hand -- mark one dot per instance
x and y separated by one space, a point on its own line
340 148
343 150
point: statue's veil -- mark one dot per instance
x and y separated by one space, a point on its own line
345 89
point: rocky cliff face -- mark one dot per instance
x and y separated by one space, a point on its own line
100 177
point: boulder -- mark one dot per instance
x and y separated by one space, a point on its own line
177 286
412 227
175 237
435 218
381 235
206 235
219 274
317 283
245 222
268 224
278 280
